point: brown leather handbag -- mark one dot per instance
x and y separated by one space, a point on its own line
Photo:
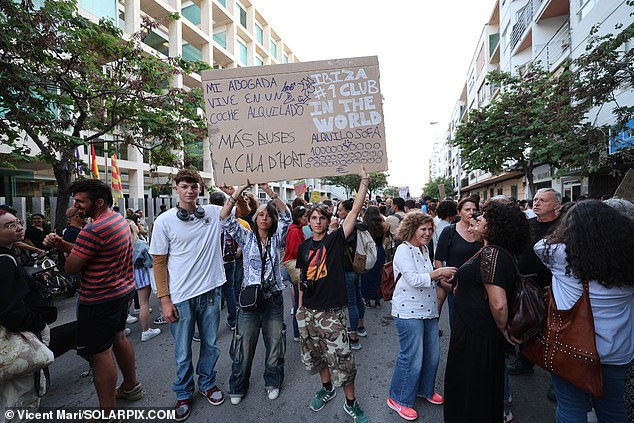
567 347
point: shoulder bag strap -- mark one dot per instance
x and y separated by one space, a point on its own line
11 257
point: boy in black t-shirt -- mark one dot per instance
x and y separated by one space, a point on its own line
324 341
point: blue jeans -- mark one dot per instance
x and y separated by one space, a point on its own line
356 308
238 275
203 310
572 402
417 360
295 289
229 294
270 318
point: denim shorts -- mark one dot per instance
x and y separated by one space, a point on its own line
324 343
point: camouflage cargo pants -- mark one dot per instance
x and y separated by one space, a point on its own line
324 343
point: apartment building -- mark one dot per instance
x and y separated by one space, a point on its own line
517 33
223 33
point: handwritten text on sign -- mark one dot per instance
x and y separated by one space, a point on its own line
292 121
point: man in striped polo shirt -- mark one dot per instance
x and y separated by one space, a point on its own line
102 254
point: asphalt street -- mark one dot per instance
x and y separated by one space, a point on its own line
375 363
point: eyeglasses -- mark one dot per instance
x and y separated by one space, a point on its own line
14 225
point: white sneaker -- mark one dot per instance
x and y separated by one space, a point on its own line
149 334
273 393
236 400
508 417
131 319
126 331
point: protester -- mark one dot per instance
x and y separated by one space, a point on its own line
143 264
36 232
455 246
76 222
294 237
103 253
446 213
189 272
22 309
573 255
229 255
371 281
415 315
262 258
547 204
356 307
474 377
324 340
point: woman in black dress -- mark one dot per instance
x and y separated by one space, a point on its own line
474 378
455 246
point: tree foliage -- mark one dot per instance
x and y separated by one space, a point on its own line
542 118
351 183
67 82
530 122
431 188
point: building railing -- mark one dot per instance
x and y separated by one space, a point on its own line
524 19
551 53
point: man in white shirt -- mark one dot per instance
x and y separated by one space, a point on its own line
189 273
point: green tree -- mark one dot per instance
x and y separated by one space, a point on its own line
66 82
532 121
351 182
391 190
600 75
431 188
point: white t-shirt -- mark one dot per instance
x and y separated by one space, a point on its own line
194 263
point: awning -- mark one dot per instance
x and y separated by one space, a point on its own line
494 179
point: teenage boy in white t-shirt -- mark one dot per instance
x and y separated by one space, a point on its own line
189 272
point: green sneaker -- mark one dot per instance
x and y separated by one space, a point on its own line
321 398
356 413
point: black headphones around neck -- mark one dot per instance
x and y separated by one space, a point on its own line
185 215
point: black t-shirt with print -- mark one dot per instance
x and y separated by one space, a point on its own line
326 268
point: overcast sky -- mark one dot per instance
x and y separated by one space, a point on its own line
424 50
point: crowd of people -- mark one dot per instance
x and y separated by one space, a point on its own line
239 252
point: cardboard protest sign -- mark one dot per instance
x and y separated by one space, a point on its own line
625 189
295 121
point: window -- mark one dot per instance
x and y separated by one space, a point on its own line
258 61
241 14
223 2
471 80
101 8
192 13
221 38
157 41
273 49
259 34
514 191
285 58
191 53
500 191
242 50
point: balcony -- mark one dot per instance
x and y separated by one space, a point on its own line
546 9
555 50
524 21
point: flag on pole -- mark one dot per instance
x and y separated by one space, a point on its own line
94 170
300 187
117 188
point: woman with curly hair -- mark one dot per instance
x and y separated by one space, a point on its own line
370 281
415 313
474 378
574 254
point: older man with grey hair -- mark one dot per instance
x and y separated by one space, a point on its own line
546 204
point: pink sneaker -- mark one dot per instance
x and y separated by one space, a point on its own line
405 412
435 399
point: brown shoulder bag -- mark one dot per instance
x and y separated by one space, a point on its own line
567 346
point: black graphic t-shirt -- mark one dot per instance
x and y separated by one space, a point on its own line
322 262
